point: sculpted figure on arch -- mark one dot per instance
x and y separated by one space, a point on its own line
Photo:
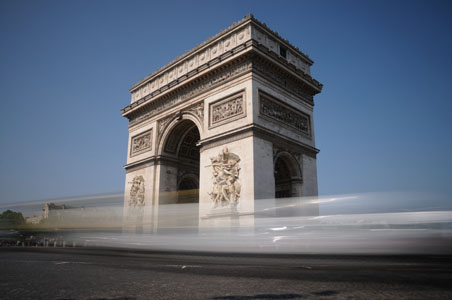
137 192
225 175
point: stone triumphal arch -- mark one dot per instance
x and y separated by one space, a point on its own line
226 124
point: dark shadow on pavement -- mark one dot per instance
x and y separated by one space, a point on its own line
261 296
120 298
326 293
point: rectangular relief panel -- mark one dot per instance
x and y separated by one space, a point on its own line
284 114
141 143
228 109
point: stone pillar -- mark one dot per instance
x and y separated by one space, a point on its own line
264 181
138 200
166 195
217 163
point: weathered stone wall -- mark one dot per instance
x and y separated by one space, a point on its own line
139 197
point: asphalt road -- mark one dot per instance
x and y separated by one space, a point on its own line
81 273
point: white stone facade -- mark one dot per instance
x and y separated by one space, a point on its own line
244 101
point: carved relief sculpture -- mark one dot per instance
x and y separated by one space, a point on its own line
198 110
284 114
225 175
227 109
141 143
163 122
137 192
166 102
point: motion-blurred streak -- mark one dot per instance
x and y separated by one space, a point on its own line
379 224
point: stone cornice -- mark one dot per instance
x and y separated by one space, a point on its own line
191 51
188 54
151 106
297 83
283 40
154 160
257 59
256 130
229 137
307 77
247 29
195 73
284 141
146 162
234 25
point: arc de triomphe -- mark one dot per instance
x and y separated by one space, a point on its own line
224 125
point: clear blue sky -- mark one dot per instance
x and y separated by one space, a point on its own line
383 121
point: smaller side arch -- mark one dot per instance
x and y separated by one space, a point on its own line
187 182
288 175
291 161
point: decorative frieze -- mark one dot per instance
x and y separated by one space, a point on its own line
201 56
208 82
141 143
277 76
285 114
258 65
227 109
183 65
225 176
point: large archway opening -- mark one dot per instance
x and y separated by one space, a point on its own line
188 167
182 145
180 176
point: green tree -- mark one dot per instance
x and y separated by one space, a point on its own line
11 219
